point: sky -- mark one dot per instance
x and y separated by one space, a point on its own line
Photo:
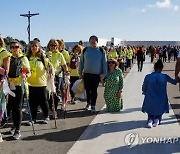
74 20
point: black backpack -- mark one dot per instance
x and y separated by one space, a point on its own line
15 67
100 48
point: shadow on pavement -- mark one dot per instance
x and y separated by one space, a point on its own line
61 136
165 147
99 129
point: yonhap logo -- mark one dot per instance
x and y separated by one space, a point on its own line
131 139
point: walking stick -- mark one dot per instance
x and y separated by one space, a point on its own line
54 112
67 96
51 88
26 99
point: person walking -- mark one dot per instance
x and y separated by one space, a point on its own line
177 66
4 69
58 62
92 68
152 52
113 87
140 59
155 90
17 63
177 70
73 68
38 81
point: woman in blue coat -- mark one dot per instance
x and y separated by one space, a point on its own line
155 90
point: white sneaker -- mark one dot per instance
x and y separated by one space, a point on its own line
150 124
1 140
12 131
156 122
88 107
46 120
17 135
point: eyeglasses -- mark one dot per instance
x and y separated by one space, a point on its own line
53 45
14 47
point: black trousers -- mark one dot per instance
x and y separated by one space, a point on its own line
16 106
38 97
73 79
91 82
128 63
140 65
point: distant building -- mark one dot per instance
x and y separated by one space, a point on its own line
121 42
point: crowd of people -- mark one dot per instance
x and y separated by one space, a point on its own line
93 64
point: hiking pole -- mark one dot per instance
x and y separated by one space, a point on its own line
27 102
52 89
54 112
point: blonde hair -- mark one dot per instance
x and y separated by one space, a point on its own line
52 41
61 44
29 51
2 43
16 42
77 47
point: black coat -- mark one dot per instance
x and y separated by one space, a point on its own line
140 55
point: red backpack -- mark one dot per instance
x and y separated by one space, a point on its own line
74 62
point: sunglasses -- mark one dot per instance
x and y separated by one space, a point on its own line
53 45
14 47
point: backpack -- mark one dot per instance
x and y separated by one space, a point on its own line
100 48
74 62
15 67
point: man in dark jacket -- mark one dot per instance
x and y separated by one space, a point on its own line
140 59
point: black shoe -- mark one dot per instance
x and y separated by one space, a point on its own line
93 109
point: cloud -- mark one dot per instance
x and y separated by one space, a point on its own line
176 8
166 4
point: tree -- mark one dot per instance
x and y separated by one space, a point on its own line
23 43
8 40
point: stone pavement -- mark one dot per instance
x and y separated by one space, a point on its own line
126 131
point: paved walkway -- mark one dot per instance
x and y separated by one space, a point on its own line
111 132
